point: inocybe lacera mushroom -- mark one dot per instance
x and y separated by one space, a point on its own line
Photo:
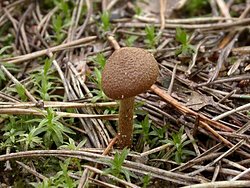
128 72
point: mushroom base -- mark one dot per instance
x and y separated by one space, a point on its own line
125 126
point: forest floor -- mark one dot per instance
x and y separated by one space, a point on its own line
59 129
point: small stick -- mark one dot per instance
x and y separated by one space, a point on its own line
216 171
190 136
22 58
18 111
56 104
162 14
111 176
234 164
241 174
106 152
186 110
203 119
172 79
221 184
35 173
227 96
50 54
185 20
207 27
100 183
111 5
196 125
160 148
225 114
89 4
228 152
16 82
111 144
7 163
223 8
113 42
83 178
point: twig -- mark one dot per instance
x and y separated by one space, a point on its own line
111 144
160 148
223 171
207 27
104 5
133 166
111 176
223 55
228 152
216 171
234 164
190 136
30 170
172 79
194 57
7 163
101 183
22 58
18 111
50 54
162 14
226 79
111 4
9 98
225 114
84 178
227 96
231 35
106 152
223 8
240 175
203 119
240 96
221 184
241 50
89 4
185 20
16 82
56 104
21 27
113 42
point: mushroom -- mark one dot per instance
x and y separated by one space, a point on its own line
128 72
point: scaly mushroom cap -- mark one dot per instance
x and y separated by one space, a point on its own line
128 72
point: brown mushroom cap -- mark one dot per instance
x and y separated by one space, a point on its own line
128 72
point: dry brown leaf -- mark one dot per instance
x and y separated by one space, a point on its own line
197 101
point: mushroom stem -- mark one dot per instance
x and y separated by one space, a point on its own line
125 125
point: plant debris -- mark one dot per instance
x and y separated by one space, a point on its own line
59 129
